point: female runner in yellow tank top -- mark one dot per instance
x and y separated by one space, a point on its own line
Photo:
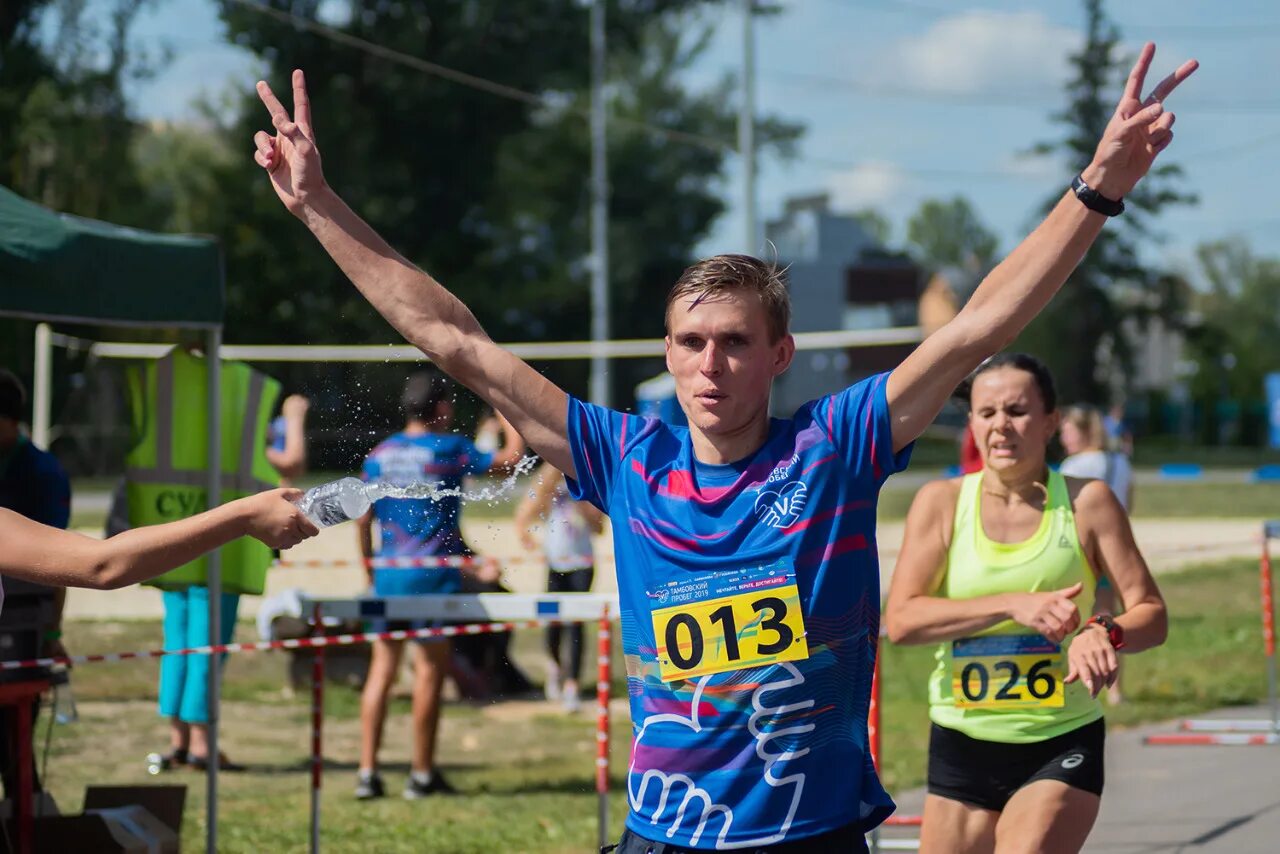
997 568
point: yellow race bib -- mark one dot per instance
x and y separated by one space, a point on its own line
728 621
1006 672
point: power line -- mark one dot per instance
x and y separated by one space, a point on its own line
472 81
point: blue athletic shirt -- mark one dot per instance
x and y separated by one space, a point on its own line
410 527
778 751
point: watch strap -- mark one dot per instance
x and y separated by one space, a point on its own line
1095 201
1115 633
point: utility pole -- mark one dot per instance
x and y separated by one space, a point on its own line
599 210
747 128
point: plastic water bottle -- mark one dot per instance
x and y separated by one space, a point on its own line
64 703
338 501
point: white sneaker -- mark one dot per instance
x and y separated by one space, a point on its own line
552 686
572 701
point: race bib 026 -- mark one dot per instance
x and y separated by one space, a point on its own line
728 621
1006 672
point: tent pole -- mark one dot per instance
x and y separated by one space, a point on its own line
213 364
42 387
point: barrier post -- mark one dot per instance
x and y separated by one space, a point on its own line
1269 623
317 728
873 733
604 678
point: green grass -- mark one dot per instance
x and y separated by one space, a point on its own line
526 769
1213 658
1155 500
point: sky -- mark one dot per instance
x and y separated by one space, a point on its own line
904 100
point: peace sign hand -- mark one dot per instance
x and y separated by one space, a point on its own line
1138 131
291 156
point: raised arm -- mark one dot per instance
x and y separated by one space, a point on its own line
419 307
38 553
1022 284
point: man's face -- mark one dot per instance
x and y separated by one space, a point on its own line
723 361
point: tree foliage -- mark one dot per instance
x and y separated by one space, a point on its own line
1112 283
1237 342
950 234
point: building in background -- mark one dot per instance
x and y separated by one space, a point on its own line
841 278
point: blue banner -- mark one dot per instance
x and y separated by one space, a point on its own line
1273 408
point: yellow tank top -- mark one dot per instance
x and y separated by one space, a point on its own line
1005 683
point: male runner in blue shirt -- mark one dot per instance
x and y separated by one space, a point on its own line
745 544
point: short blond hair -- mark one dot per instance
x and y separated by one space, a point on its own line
724 273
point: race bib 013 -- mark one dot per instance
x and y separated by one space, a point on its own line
728 621
1006 672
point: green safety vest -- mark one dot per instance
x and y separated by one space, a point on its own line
166 475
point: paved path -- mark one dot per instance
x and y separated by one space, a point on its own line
1167 543
1191 800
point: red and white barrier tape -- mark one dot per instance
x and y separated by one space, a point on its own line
290 643
428 562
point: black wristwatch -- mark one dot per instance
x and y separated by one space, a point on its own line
1095 201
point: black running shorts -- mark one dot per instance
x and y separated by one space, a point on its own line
987 773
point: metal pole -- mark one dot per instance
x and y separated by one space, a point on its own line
213 497
1269 626
604 679
599 209
317 730
41 393
747 128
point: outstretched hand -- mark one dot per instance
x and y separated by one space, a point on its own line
1138 130
291 156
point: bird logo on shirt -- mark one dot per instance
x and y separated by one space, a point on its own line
780 508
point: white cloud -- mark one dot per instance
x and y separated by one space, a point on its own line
866 185
982 51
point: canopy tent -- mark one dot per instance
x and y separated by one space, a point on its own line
62 267
55 266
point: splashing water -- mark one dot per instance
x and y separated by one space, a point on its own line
434 492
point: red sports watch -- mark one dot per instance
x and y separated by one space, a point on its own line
1115 632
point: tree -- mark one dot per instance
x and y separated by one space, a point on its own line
950 234
1088 315
488 194
1237 342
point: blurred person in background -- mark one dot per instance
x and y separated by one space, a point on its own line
33 484
1084 438
287 439
427 453
567 529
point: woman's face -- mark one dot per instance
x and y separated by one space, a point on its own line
1009 421
1073 438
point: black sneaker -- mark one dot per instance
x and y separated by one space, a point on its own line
438 786
369 787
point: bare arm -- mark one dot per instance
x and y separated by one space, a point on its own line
1022 285
291 463
915 614
38 553
536 504
512 450
1107 540
422 310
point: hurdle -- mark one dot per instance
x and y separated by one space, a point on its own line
478 610
1242 732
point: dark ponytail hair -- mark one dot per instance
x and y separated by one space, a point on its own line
1019 361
